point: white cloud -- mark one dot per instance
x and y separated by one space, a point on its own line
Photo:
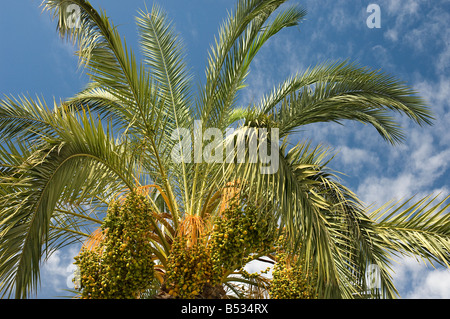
57 270
355 159
436 285
401 8
339 19
416 178
427 159
436 93
383 56
392 35
379 190
416 280
256 266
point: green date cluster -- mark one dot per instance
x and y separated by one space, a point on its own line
121 266
290 280
236 237
190 269
240 235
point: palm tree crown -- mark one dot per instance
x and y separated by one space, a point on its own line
63 167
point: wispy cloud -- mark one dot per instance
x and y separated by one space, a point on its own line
383 56
422 26
418 169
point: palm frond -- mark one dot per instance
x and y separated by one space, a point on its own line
111 65
418 229
164 55
334 92
240 38
99 101
300 208
83 160
24 118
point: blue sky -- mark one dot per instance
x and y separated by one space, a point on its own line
413 44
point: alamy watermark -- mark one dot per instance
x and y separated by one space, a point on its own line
242 145
373 279
73 16
374 19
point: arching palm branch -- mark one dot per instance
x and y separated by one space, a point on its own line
61 167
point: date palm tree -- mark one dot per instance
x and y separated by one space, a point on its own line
61 166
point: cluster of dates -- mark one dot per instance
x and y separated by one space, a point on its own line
238 235
290 278
121 265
